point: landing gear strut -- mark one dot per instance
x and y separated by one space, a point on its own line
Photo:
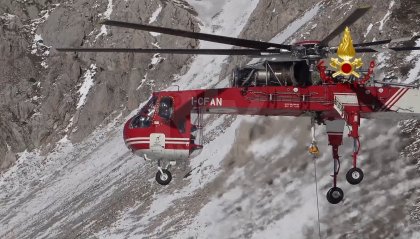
335 130
335 194
355 175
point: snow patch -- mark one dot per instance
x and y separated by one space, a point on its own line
7 16
231 18
40 49
105 15
156 59
155 14
156 44
142 82
414 74
283 144
87 85
292 224
387 15
368 30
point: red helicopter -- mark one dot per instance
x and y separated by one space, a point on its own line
291 81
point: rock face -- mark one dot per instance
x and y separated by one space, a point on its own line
260 187
40 87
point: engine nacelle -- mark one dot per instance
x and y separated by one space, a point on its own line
272 74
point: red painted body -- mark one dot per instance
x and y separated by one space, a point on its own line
265 100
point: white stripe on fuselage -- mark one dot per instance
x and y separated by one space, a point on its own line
137 138
175 142
385 106
137 142
178 139
408 103
147 138
397 98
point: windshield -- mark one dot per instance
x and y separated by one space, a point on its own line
144 118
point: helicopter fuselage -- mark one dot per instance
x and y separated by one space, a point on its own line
163 129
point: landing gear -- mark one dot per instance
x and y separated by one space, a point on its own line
335 138
163 177
335 195
335 130
354 176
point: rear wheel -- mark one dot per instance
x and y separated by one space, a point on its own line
335 195
163 178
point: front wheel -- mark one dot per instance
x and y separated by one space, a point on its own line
165 178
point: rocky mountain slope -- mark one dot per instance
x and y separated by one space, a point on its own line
42 94
74 178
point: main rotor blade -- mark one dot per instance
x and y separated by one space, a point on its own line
356 14
279 57
249 52
197 35
381 42
415 48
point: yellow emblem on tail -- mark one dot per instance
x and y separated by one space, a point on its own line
346 52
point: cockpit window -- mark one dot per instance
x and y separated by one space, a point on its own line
166 107
144 118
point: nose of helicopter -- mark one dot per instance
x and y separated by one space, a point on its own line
136 138
151 143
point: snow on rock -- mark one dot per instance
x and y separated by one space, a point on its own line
156 59
153 19
86 85
155 14
38 47
63 177
231 16
414 74
7 16
368 30
142 82
387 15
105 15
282 143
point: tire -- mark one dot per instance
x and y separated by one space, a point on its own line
165 178
335 195
354 176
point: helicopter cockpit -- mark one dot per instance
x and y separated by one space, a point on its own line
144 118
